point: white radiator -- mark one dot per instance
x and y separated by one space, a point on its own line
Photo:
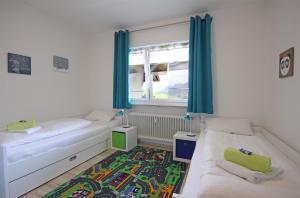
157 126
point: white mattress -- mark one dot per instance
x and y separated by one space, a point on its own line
21 152
206 180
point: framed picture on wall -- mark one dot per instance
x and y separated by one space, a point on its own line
18 64
286 63
60 64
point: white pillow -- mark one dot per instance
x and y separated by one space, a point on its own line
238 126
104 116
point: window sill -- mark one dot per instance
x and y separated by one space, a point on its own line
160 103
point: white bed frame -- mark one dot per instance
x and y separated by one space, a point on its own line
21 177
289 152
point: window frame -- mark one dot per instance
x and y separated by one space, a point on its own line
149 100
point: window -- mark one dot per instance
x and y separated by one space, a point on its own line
159 74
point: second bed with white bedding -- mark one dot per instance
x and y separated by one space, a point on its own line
18 152
206 180
29 160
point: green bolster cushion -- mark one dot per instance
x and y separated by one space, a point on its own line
253 162
21 125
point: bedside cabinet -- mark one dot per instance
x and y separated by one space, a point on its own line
124 139
184 146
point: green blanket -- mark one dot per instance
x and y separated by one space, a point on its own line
20 125
253 162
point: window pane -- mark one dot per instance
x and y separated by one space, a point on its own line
169 70
137 84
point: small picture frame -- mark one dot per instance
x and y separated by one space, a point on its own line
60 64
18 64
286 63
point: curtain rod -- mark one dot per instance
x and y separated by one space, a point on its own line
159 26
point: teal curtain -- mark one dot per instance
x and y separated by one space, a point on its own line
121 71
200 73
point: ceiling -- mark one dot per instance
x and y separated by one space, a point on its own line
103 15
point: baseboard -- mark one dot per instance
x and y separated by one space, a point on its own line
168 143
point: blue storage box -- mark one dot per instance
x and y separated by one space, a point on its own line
185 149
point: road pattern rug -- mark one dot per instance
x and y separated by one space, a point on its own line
141 172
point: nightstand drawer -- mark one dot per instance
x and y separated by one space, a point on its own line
118 140
185 148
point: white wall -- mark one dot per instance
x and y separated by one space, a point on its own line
45 94
282 96
238 53
101 71
239 47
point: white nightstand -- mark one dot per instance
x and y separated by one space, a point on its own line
184 146
124 139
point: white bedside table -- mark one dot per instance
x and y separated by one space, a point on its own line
184 146
124 139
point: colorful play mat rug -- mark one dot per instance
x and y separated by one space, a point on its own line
141 172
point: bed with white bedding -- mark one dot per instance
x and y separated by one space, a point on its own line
18 152
29 160
206 180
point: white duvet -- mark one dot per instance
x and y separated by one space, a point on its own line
94 130
48 129
206 180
